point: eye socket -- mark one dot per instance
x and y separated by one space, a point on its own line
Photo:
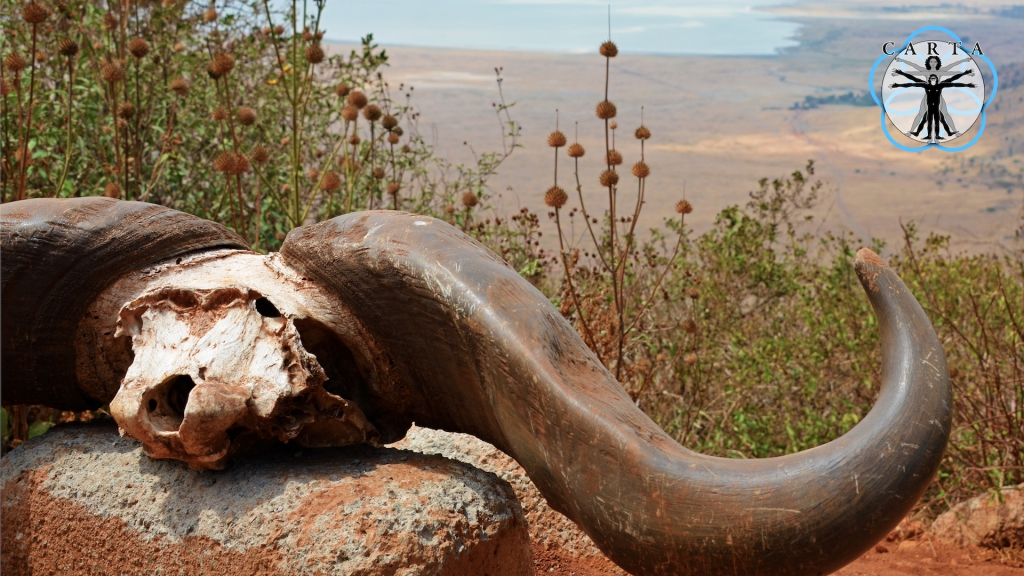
167 404
267 309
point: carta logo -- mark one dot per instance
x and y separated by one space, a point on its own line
933 90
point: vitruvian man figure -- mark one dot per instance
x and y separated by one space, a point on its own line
934 111
933 65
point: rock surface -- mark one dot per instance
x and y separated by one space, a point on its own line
985 521
81 500
550 530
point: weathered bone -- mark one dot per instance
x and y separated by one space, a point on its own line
216 370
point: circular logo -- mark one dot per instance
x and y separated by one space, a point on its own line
933 91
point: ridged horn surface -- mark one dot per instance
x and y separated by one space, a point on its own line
478 349
57 256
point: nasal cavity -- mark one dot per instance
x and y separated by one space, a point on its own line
167 404
266 308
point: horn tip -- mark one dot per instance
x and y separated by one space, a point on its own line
867 256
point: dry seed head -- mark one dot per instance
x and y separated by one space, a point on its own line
393 138
690 326
406 149
34 13
179 86
222 64
555 197
67 47
109 21
210 15
350 165
341 90
313 174
397 131
331 181
449 209
126 110
358 99
122 124
112 190
684 207
354 140
350 113
576 150
606 110
260 154
469 200
690 358
278 30
138 47
372 113
614 158
315 54
5 87
219 114
15 62
307 35
112 72
393 188
609 49
614 125
246 116
378 173
556 139
231 163
319 35
642 133
389 122
179 47
693 293
609 178
641 170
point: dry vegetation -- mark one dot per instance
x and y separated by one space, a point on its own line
752 339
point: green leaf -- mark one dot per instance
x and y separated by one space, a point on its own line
38 428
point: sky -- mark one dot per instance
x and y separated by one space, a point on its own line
723 27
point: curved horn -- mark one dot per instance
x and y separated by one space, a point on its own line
472 347
58 255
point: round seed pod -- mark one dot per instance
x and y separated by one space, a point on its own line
690 327
393 138
5 86
642 133
219 114
222 64
313 174
210 15
555 197
378 173
112 190
372 112
690 358
556 139
246 116
350 113
112 72
179 47
110 21
606 110
315 54
15 62
260 154
354 140
179 86
576 150
614 158
126 110
609 178
406 149
397 130
67 47
389 122
470 200
278 30
641 170
330 182
614 125
138 47
393 188
358 99
34 13
693 293
341 90
609 49
684 207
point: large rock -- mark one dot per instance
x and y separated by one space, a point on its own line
550 530
987 520
81 500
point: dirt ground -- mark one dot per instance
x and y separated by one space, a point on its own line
921 557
